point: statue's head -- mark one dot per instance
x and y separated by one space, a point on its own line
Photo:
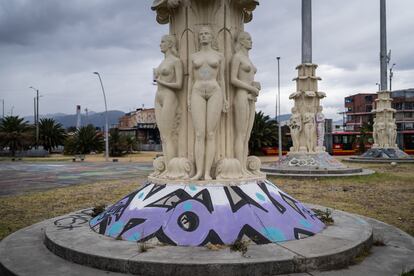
206 37
320 108
244 40
169 43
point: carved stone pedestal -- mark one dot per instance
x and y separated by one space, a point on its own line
308 156
384 148
197 214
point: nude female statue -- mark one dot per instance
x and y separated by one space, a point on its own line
242 77
295 124
169 77
206 100
320 127
310 130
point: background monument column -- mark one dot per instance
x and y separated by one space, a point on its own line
308 156
384 128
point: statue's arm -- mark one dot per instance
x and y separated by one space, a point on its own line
190 83
235 81
178 84
222 83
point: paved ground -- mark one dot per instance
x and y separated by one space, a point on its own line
21 177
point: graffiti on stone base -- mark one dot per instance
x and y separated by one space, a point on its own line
72 221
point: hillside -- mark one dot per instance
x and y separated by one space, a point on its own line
95 118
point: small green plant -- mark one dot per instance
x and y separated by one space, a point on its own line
407 273
324 216
365 252
240 246
98 209
143 247
378 241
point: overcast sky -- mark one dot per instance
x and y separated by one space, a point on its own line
55 46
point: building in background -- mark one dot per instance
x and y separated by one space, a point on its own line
358 109
142 125
357 112
403 102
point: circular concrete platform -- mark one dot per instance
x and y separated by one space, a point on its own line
70 238
312 172
319 164
360 159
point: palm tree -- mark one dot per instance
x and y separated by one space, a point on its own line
88 139
51 134
15 133
264 133
117 143
365 136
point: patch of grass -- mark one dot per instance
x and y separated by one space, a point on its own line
143 247
19 211
324 216
240 246
215 247
98 209
387 195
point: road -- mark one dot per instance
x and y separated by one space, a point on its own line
22 177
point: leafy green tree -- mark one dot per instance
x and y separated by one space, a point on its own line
132 143
117 143
15 133
51 134
85 140
365 136
264 133
120 144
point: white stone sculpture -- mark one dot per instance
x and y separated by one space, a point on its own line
320 126
206 45
169 77
247 90
384 128
307 121
392 133
309 129
206 100
159 166
295 124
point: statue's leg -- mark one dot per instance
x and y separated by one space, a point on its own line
214 110
252 114
198 113
168 114
241 122
160 123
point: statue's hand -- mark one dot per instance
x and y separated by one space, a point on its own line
257 85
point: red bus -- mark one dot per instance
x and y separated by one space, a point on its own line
347 143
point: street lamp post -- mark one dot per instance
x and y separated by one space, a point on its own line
391 75
106 119
379 86
278 111
2 114
36 119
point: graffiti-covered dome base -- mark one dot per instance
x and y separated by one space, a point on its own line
194 215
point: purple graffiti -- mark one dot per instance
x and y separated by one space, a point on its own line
192 215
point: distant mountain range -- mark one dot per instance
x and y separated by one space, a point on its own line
95 118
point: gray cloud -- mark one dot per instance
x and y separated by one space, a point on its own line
56 45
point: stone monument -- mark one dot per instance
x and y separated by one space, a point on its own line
308 156
206 188
385 148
